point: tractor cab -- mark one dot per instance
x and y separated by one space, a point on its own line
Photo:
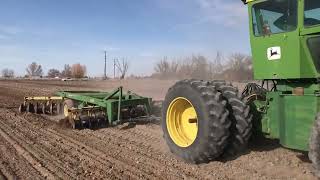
285 38
203 120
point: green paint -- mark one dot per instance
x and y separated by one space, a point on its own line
112 102
287 117
293 27
296 61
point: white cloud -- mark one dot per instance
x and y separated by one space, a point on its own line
228 13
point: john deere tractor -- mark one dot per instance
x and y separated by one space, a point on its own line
203 120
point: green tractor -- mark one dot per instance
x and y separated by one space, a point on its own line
203 120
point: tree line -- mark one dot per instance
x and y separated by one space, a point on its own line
35 70
236 66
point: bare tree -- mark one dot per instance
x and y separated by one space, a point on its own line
66 72
162 67
34 69
122 67
166 69
78 70
7 73
236 61
52 73
239 67
216 66
194 67
200 67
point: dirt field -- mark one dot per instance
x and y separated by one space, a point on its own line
35 147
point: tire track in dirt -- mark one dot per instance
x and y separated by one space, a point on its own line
5 170
91 154
148 158
147 162
128 148
13 165
151 170
26 154
39 151
142 156
94 155
101 157
142 143
2 177
64 149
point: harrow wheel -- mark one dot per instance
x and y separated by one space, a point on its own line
195 124
30 108
36 108
22 108
67 104
72 123
51 106
58 108
101 122
43 108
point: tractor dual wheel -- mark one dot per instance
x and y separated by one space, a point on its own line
239 115
195 123
314 146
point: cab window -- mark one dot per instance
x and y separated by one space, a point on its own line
274 16
311 13
314 46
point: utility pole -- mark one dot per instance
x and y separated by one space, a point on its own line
105 65
114 68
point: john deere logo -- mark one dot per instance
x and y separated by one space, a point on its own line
274 53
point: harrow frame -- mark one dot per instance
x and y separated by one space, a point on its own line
110 103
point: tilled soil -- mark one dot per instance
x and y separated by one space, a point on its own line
36 147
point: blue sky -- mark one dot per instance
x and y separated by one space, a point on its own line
58 32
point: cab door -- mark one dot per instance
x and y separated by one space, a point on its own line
275 39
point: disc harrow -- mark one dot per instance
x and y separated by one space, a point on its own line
90 109
41 105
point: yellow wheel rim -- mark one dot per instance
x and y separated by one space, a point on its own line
182 122
65 110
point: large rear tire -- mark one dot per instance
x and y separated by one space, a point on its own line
195 123
239 115
314 146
